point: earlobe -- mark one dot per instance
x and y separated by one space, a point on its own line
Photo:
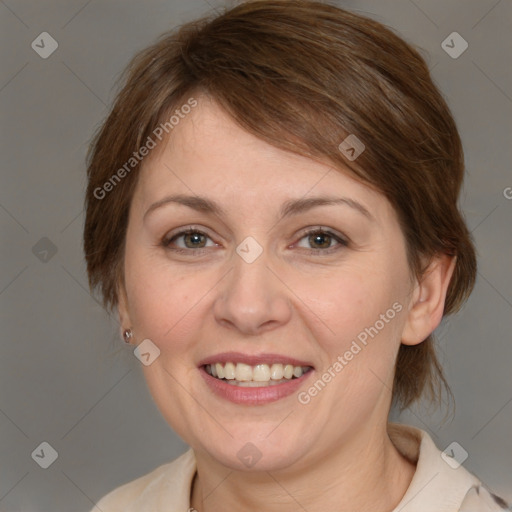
429 297
122 308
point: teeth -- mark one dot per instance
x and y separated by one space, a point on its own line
254 376
243 372
261 373
276 371
219 370
229 371
253 384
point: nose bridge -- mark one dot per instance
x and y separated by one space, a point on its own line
252 298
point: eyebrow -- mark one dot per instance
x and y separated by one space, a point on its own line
288 209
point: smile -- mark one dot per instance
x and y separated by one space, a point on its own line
259 375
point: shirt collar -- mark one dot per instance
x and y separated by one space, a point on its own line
435 484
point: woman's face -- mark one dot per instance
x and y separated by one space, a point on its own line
249 285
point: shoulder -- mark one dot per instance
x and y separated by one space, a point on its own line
169 483
440 482
480 499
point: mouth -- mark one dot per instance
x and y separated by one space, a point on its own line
254 376
254 379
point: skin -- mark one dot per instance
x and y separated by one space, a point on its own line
333 453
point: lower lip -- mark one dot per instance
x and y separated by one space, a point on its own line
253 396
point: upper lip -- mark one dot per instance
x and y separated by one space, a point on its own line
252 359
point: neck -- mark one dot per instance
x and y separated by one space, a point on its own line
366 473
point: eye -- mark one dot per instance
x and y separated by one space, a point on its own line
317 240
187 239
321 240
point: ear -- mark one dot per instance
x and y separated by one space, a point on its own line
122 308
428 299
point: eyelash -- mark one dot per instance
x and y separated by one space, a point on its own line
166 241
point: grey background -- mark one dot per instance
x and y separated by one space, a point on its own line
65 376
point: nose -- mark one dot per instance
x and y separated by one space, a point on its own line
251 298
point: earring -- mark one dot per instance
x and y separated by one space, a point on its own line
127 335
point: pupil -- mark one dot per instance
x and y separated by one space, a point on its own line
193 237
318 238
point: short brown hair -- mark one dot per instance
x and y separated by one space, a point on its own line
302 76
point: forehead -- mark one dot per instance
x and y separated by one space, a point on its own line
208 153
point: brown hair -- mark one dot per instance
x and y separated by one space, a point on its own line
302 76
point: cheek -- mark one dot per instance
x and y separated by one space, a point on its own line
361 309
161 303
348 301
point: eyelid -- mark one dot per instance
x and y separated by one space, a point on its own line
342 239
184 230
179 232
324 229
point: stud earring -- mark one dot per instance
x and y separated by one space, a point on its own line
127 335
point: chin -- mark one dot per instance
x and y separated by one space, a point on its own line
244 454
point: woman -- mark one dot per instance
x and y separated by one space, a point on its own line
272 209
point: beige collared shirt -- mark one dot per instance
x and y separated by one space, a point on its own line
436 485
